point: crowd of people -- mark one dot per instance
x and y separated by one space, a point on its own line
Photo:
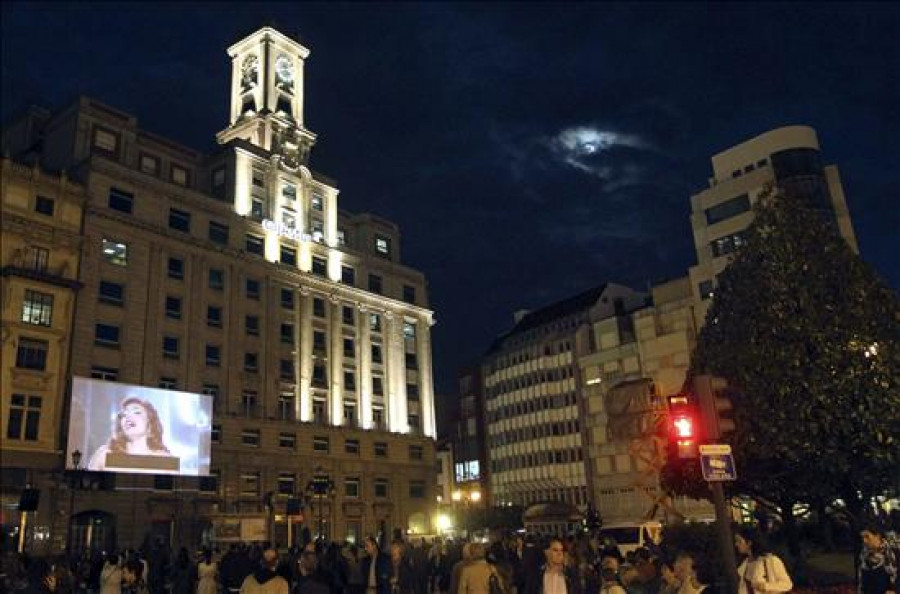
513 565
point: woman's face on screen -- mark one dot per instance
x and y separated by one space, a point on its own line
133 419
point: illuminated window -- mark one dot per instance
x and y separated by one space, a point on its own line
375 322
37 308
409 330
289 191
316 202
382 245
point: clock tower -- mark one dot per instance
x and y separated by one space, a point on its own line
267 96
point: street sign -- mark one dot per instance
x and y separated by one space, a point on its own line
717 462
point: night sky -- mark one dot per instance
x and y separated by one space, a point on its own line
527 151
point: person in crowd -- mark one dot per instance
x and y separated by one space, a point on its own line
41 578
111 575
609 573
670 583
686 573
137 430
554 577
207 574
760 571
879 562
455 573
402 573
376 568
648 580
311 579
181 574
265 580
133 577
439 567
351 568
475 577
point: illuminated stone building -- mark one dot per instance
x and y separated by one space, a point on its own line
235 274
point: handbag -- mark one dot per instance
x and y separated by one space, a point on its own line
494 583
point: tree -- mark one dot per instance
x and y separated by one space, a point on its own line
808 337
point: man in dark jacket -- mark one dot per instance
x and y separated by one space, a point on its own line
554 577
376 569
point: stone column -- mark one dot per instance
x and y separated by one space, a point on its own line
336 362
304 347
364 367
426 381
395 373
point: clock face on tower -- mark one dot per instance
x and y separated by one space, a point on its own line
284 70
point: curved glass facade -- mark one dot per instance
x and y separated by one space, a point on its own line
799 173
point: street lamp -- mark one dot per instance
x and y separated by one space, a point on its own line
74 480
320 487
467 497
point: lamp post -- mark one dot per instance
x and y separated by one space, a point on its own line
74 480
320 487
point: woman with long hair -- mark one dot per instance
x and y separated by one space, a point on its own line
137 430
760 571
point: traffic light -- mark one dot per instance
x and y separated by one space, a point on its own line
715 406
684 429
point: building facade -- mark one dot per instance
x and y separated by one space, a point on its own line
534 400
788 158
236 275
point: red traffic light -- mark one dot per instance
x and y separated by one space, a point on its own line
683 426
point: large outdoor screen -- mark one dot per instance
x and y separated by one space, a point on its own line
124 428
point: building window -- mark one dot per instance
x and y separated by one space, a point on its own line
167 383
287 441
286 406
348 316
349 381
348 276
218 233
163 482
727 209
412 361
321 444
216 279
319 341
351 446
251 289
409 294
287 298
412 392
37 308
180 175
44 206
218 183
285 483
37 258
149 164
381 488
381 449
250 437
254 245
382 246
286 369
215 434
176 268
375 284
377 386
318 307
115 252
32 354
106 141
287 333
173 307
107 374
24 417
257 209
409 330
213 316
413 421
251 362
375 322
289 191
210 484
319 416
288 255
319 379
170 347
350 414
179 220
706 289
349 348
316 202
111 293
211 390
416 489
378 417
318 231
376 353
106 335
728 244
351 487
416 452
213 355
248 401
121 200
319 266
250 483
251 325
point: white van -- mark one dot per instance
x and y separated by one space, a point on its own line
630 536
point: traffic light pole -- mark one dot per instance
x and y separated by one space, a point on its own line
726 540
